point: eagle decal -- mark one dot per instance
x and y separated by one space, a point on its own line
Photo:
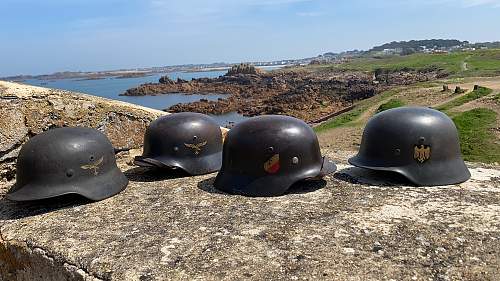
422 153
196 147
94 166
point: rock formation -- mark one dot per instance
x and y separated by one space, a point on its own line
243 68
308 96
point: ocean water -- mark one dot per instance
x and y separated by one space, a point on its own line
111 88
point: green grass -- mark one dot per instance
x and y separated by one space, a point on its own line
349 118
476 140
476 94
392 103
340 120
479 63
496 98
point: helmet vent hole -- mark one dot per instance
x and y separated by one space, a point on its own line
270 149
70 173
195 137
91 157
397 152
295 160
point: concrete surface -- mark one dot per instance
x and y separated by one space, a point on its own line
353 225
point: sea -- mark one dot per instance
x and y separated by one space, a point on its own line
112 87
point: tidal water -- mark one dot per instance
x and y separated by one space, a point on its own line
111 88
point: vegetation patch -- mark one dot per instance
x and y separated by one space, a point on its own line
496 98
340 120
392 103
348 118
476 139
474 95
479 63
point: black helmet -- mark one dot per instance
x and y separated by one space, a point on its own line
67 161
189 141
419 143
265 155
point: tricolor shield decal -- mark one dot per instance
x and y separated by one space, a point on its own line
272 166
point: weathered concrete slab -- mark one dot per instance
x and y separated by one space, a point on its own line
355 225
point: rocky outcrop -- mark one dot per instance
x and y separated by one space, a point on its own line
27 111
408 76
306 96
243 68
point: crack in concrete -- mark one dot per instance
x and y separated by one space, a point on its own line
44 254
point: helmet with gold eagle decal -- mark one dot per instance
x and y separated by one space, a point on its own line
419 143
67 161
265 155
188 141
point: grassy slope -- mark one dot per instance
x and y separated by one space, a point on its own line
476 139
392 103
349 118
479 63
474 95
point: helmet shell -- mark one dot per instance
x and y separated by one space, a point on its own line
189 141
420 143
67 161
265 155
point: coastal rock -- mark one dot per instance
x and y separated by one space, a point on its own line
166 80
304 96
243 68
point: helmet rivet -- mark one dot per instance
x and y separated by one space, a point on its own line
69 173
295 160
176 148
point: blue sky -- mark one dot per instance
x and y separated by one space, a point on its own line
56 35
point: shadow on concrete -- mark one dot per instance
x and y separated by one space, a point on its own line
141 174
208 186
306 186
10 210
300 187
368 177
